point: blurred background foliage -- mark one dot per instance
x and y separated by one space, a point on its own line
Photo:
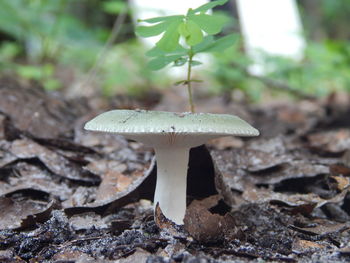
59 43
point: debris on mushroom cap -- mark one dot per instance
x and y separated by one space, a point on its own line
137 122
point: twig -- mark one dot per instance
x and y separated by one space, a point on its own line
102 56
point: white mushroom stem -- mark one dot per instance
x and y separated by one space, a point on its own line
172 164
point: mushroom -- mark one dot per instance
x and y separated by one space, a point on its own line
171 135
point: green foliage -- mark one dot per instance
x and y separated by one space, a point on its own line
46 35
125 71
43 74
196 28
324 69
229 74
114 6
9 51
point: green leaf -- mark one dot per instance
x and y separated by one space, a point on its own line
183 30
52 84
170 39
160 62
180 62
156 52
195 63
195 34
207 41
30 72
220 44
211 24
114 7
150 31
162 19
9 50
204 8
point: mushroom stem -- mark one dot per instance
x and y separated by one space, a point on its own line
172 164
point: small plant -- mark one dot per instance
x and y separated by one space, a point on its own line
197 28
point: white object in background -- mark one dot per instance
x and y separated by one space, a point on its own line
144 9
270 27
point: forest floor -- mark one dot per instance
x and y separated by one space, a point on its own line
68 195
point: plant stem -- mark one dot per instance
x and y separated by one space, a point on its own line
188 82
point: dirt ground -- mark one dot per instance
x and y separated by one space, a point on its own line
68 195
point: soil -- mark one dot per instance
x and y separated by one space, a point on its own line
68 195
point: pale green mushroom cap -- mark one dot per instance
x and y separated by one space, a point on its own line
164 129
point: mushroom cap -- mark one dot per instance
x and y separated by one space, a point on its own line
158 128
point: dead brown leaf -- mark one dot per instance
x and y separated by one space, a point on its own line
86 221
6 156
342 182
56 163
256 195
102 166
324 227
39 113
18 214
204 226
112 183
141 188
32 177
335 141
337 169
301 245
226 143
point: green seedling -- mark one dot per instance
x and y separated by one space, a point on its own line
184 36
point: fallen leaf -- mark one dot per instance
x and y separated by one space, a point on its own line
20 214
302 246
140 256
323 227
32 177
335 141
6 157
342 182
27 149
339 169
86 221
226 142
112 183
39 114
80 197
255 195
141 188
102 166
268 161
204 226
